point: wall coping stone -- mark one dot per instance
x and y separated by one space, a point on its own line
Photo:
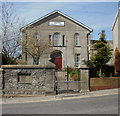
84 67
104 78
27 66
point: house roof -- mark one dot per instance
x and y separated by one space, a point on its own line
59 12
115 18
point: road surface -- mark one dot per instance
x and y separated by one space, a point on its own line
92 105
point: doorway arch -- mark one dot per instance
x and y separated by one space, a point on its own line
56 58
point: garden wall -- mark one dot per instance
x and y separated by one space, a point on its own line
33 80
104 83
27 80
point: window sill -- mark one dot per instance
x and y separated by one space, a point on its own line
77 46
57 46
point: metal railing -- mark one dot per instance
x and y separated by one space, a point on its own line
62 87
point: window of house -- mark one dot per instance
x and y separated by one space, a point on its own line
57 39
36 35
77 39
64 42
77 60
50 40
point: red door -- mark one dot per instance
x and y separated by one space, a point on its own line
58 63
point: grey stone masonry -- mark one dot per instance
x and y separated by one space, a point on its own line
28 80
1 81
84 72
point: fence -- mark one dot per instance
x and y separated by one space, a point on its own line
62 87
71 80
70 74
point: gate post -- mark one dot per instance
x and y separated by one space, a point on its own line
84 78
1 87
1 81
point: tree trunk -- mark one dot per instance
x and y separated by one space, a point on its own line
100 72
36 60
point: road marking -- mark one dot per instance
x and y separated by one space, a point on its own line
58 99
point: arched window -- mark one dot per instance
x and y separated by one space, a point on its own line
77 39
57 39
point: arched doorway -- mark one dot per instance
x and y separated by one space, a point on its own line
56 58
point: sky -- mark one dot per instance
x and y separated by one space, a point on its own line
97 15
61 0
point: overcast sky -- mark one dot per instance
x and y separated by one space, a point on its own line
97 15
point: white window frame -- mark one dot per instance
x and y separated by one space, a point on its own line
57 39
77 60
77 39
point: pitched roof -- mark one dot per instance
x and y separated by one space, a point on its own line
115 18
56 11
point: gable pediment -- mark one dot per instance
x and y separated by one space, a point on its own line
56 18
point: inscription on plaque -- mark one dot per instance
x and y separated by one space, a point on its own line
56 23
24 78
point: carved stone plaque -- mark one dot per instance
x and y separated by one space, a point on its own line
24 78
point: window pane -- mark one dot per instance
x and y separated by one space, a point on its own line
50 40
77 39
63 40
57 39
77 60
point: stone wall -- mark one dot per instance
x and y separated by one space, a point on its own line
27 80
33 80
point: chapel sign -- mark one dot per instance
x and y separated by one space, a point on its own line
56 23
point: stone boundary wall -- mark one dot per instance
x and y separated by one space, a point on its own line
33 80
104 83
27 80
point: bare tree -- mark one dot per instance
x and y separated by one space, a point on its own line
35 46
10 31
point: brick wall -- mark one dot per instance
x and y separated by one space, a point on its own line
104 83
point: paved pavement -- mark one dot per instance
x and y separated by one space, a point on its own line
92 105
58 97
